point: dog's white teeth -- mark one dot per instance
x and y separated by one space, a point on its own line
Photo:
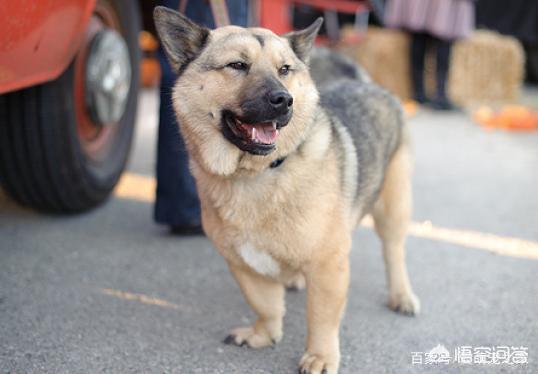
253 136
274 125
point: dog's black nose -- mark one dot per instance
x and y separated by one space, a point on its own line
280 100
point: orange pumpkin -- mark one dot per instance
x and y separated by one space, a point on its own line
511 117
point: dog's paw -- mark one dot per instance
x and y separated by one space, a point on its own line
251 337
405 303
297 283
317 364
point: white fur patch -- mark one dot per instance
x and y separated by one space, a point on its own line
259 261
350 163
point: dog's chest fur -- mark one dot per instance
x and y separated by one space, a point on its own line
271 221
250 217
259 261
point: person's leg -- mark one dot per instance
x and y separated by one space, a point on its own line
177 203
443 48
200 12
238 12
418 52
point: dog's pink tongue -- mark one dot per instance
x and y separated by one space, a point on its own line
265 133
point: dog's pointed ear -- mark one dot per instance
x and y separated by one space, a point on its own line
181 38
302 41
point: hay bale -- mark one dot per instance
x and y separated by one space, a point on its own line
486 68
384 54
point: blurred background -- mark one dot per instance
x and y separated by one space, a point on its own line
89 151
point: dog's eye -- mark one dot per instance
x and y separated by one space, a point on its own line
238 65
284 70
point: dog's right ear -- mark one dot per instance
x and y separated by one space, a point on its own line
181 38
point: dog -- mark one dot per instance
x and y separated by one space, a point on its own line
285 171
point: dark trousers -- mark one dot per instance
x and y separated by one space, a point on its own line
419 43
177 200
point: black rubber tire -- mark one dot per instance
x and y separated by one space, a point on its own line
42 164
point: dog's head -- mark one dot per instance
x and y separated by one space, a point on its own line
239 91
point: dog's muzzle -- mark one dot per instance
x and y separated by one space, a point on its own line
257 129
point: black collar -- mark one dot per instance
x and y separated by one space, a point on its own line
277 162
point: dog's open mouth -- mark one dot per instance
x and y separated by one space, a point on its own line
261 133
256 138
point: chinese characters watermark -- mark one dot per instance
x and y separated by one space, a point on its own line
469 355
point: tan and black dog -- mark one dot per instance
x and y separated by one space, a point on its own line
285 173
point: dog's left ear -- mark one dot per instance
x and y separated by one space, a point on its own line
302 41
181 38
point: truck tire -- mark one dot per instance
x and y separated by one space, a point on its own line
56 154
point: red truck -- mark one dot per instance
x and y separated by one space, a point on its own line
68 97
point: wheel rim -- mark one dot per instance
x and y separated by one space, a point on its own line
102 83
108 77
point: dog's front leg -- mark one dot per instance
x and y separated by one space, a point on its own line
327 284
266 297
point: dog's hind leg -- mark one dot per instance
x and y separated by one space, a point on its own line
391 215
295 283
266 297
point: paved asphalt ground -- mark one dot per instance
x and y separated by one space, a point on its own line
110 291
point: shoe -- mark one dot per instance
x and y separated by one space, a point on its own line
187 230
442 104
422 100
